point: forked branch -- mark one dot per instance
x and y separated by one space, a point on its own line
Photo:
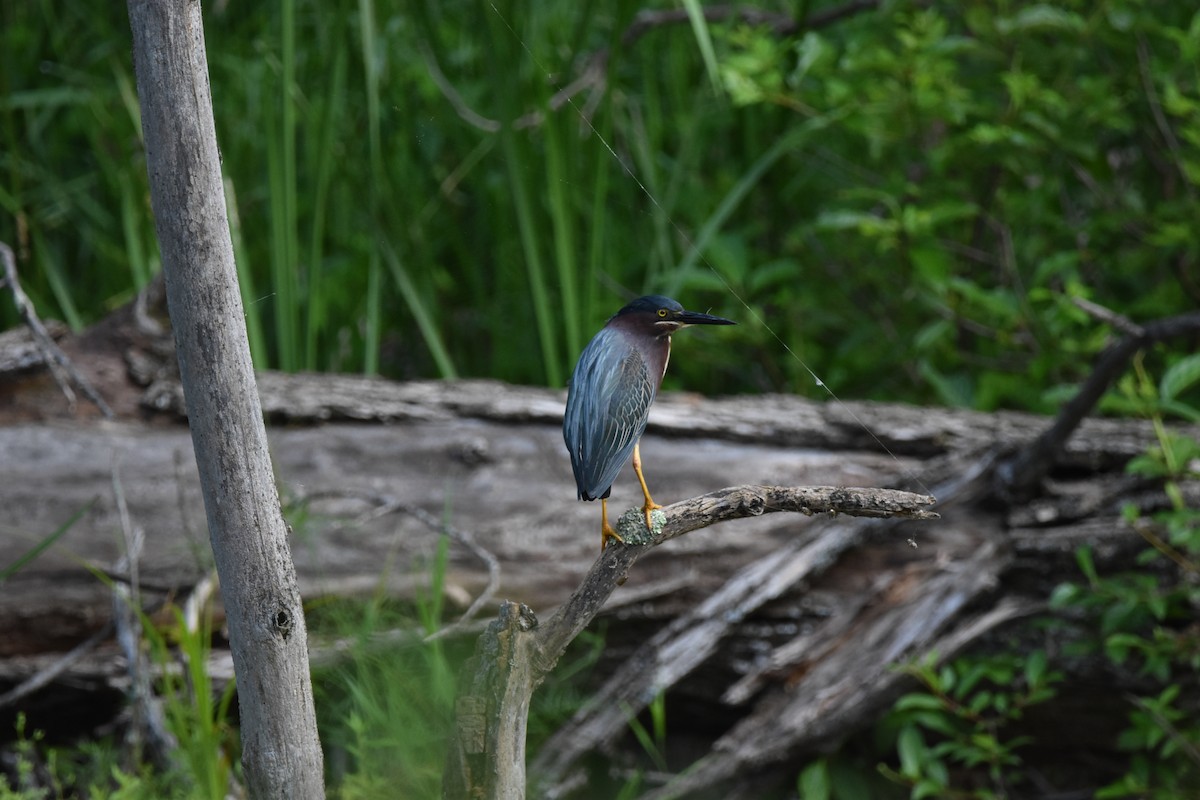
513 657
61 368
1018 477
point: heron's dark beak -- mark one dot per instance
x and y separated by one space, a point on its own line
696 318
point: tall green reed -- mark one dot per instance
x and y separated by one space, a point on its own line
375 230
286 270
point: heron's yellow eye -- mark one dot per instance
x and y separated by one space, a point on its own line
662 312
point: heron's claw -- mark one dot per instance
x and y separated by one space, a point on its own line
648 511
607 532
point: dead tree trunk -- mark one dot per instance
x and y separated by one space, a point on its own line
281 753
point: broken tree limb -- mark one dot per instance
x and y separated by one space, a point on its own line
387 504
817 717
850 677
487 750
687 642
739 502
60 366
1017 478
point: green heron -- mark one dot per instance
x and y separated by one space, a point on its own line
609 397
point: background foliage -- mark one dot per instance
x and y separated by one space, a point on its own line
905 197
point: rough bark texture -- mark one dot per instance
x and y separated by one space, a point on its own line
488 454
281 753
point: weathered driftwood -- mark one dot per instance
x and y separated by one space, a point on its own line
489 456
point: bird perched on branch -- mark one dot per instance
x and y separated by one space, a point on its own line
609 397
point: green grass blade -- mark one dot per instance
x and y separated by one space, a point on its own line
130 219
429 331
695 12
282 273
318 307
374 301
251 303
290 192
373 330
281 169
519 171
48 259
741 189
598 228
565 251
543 313
32 553
662 253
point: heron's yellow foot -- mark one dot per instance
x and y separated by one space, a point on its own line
606 531
648 509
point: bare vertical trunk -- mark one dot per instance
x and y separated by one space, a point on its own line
281 753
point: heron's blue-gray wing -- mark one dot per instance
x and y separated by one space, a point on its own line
607 406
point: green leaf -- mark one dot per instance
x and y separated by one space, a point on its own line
919 702
938 722
814 781
910 747
932 263
1041 18
1182 410
1118 646
773 274
1124 788
1157 604
810 51
1168 696
848 219
1148 465
1041 694
980 701
927 788
970 678
1180 376
1065 595
1083 556
952 390
1035 668
947 678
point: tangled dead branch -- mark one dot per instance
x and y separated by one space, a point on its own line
61 368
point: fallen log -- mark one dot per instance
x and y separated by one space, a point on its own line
488 455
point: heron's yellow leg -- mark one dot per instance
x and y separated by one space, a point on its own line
650 505
606 531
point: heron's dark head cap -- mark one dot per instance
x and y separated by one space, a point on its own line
663 315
